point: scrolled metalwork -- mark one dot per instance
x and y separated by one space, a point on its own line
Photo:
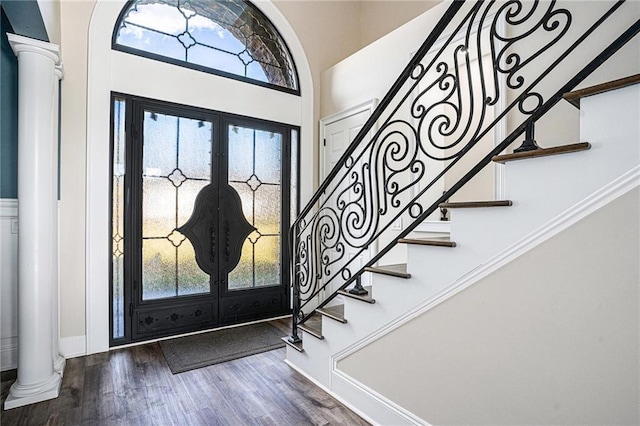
445 102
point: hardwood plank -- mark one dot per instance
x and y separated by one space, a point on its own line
399 270
335 312
134 386
436 242
543 152
313 326
368 298
574 97
297 346
476 204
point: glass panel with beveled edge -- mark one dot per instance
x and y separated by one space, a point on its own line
255 170
176 166
117 218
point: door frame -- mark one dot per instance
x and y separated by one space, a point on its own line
132 214
368 107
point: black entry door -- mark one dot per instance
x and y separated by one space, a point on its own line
204 215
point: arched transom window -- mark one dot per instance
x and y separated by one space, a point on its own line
226 37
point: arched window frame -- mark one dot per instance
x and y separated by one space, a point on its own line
150 55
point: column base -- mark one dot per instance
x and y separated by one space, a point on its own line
21 395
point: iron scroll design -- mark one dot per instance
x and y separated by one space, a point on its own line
215 206
498 61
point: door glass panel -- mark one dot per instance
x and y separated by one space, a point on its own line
293 195
268 157
176 166
240 150
117 225
267 248
255 171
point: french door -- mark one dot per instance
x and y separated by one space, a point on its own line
200 218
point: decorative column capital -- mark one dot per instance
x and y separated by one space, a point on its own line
21 44
59 72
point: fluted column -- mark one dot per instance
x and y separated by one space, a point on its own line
37 212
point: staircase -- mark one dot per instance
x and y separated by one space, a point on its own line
484 235
547 189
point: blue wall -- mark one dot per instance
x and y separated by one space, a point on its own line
8 115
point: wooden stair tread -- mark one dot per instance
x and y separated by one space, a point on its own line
476 204
437 241
335 312
574 97
364 298
296 346
313 326
543 152
399 270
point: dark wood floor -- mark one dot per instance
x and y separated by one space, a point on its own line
134 386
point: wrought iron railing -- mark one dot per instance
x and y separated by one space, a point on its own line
484 64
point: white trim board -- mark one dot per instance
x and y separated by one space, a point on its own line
8 207
562 221
70 347
383 409
73 347
8 353
333 395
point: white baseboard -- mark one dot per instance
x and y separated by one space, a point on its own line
324 388
72 347
8 353
382 410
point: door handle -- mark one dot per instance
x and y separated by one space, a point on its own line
212 248
227 242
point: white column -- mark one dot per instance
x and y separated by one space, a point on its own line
37 205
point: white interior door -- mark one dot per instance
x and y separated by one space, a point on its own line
337 132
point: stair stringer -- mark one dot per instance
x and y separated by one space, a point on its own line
547 192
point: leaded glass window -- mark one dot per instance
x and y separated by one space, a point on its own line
117 218
255 168
226 37
176 165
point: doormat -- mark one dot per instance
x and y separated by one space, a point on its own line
200 350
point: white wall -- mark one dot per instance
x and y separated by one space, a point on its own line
378 18
75 18
371 71
551 338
